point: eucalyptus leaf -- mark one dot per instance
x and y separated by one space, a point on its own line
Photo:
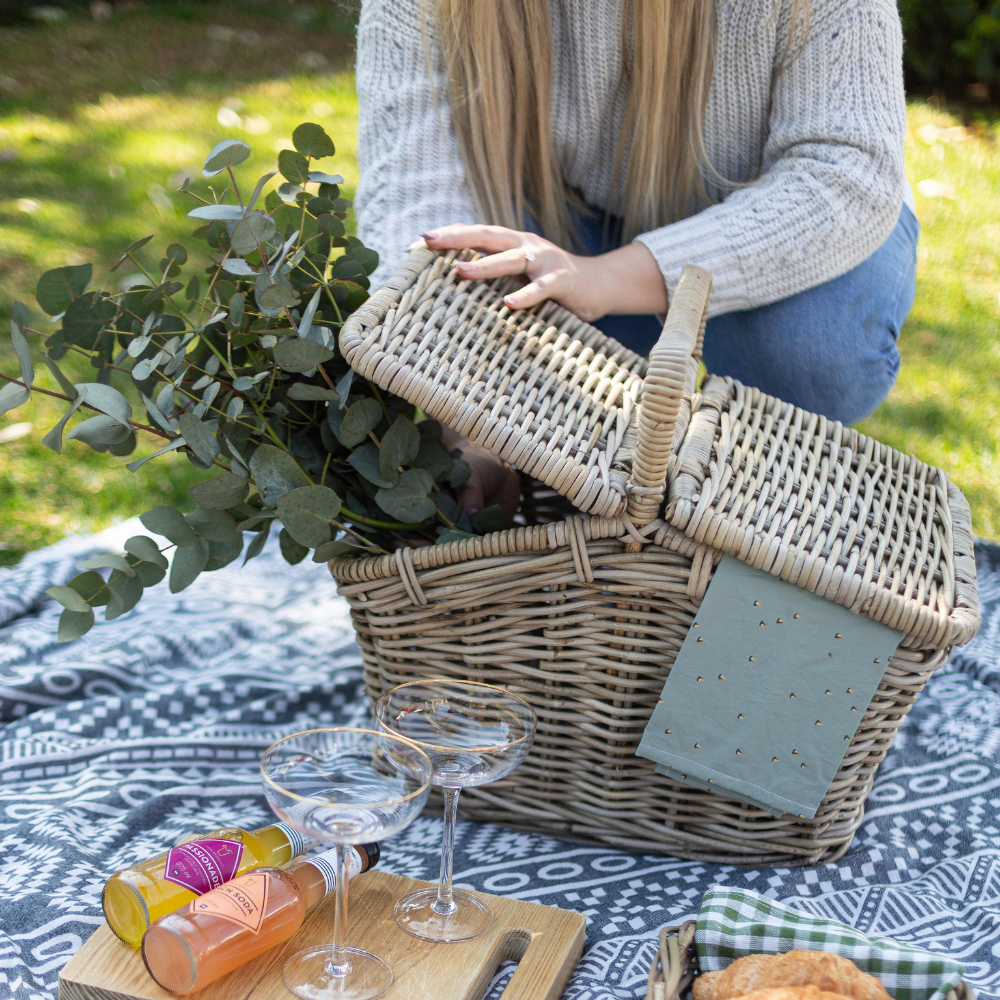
143 547
254 548
453 535
257 190
293 166
226 213
91 587
306 513
23 352
53 439
275 472
198 436
300 355
366 257
489 519
74 624
177 442
141 370
59 288
11 396
251 233
131 248
399 446
170 523
126 590
434 457
309 313
215 525
365 459
236 306
108 400
344 386
227 153
108 561
237 265
330 550
318 177
302 390
100 431
293 552
311 140
86 318
407 501
140 343
68 598
275 296
361 418
188 562
64 383
222 492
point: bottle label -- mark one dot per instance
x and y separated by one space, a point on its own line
203 865
327 865
242 900
299 843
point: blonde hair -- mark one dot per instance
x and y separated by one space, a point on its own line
498 63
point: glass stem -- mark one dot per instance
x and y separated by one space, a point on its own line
339 966
445 903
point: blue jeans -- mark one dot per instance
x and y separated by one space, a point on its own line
830 349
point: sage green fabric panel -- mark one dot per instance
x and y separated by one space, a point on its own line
767 692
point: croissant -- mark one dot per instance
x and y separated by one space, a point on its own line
827 973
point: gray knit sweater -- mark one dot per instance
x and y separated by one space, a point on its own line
823 140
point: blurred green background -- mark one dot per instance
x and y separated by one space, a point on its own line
104 110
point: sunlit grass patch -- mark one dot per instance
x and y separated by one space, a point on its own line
946 405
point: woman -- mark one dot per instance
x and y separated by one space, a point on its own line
598 146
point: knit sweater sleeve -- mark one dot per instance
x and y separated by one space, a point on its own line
412 178
832 174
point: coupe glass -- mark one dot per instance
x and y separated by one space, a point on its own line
344 787
473 734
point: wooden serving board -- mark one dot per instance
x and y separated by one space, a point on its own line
548 942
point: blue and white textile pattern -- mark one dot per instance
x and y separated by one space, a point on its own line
116 745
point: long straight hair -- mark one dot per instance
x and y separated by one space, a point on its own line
498 63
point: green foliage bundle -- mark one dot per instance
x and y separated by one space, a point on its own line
238 367
952 43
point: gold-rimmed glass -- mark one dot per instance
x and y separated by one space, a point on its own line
344 786
474 734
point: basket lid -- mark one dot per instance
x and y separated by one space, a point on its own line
778 487
539 388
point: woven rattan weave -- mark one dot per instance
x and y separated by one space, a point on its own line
583 615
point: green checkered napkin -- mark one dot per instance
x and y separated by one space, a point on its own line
737 922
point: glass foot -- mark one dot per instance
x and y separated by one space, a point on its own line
309 974
416 915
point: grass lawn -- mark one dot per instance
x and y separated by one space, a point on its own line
100 121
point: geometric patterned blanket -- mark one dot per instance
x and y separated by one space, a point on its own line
150 727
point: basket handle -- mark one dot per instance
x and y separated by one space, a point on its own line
663 390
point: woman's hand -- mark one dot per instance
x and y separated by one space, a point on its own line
492 481
626 280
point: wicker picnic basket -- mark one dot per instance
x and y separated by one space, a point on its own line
635 483
675 967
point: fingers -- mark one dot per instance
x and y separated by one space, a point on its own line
487 239
545 286
505 262
471 494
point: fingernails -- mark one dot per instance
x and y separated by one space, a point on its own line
429 236
471 510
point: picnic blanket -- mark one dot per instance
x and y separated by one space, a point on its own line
116 745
